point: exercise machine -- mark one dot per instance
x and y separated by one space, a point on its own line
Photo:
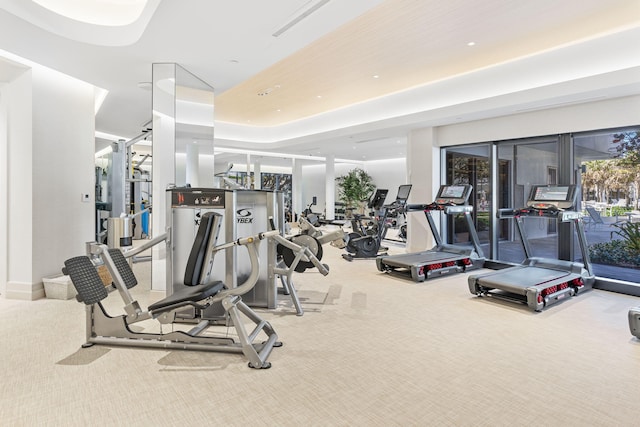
540 282
634 321
314 218
443 258
297 254
368 246
198 293
362 225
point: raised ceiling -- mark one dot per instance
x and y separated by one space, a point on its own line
402 44
320 72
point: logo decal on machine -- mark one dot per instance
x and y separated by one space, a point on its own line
244 216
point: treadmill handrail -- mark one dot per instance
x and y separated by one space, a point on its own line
427 207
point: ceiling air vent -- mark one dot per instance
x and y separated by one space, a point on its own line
309 8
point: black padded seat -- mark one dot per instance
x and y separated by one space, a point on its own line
187 294
193 292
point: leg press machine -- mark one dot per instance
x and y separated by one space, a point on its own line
107 330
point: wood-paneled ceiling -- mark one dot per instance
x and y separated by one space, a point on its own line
401 44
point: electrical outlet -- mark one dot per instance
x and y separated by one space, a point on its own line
85 197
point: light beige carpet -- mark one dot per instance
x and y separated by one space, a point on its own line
371 350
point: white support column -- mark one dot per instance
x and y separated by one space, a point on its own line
164 165
423 167
296 187
257 172
193 165
330 187
249 184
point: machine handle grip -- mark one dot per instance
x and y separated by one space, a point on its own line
257 237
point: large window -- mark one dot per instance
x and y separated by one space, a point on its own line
606 167
609 163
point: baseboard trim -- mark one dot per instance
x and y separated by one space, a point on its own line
24 291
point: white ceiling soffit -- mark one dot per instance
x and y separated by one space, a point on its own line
9 70
89 21
562 67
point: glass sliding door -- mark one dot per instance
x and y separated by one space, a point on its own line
525 163
470 165
609 166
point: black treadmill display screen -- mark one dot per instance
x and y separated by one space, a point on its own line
403 192
556 194
453 192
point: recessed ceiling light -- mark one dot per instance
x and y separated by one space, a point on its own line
278 110
234 61
375 76
471 44
318 96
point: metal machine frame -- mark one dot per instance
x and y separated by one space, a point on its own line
245 212
634 322
540 282
107 330
443 258
370 245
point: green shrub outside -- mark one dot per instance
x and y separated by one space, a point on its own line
615 252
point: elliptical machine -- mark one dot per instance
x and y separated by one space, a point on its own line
369 246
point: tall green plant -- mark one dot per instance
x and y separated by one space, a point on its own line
630 233
355 187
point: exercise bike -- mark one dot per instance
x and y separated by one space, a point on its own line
312 217
369 245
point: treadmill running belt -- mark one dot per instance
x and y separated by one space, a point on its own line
421 258
518 279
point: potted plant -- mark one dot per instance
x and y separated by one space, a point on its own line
355 188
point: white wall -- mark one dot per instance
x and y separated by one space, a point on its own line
18 94
63 135
50 122
610 113
389 174
3 189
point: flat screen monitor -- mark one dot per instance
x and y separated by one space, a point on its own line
457 194
403 193
561 196
377 201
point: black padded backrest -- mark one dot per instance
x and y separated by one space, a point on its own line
123 268
85 279
198 253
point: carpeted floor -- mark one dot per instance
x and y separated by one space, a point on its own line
371 350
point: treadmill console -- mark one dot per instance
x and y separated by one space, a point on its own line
552 197
453 194
377 201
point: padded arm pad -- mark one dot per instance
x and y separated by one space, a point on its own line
86 280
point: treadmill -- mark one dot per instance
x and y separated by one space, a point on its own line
443 258
540 282
634 321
